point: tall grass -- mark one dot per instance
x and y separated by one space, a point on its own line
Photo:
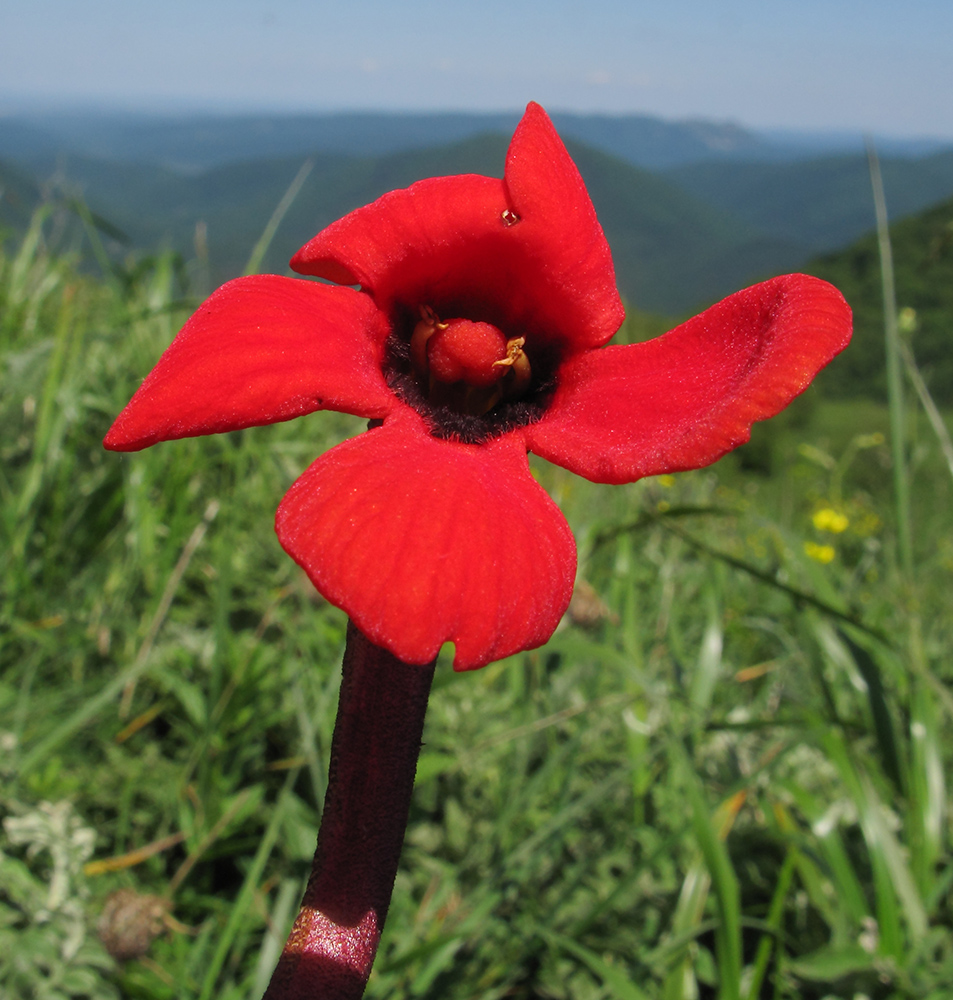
725 776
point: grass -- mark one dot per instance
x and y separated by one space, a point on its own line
725 776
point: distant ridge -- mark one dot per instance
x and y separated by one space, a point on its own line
821 204
198 142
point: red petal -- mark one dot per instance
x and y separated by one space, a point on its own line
424 541
260 350
454 243
559 226
684 399
412 246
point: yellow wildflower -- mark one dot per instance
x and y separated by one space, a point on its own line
820 553
828 519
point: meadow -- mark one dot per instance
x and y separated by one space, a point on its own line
725 776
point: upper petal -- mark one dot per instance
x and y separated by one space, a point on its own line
526 254
558 225
423 541
684 399
259 350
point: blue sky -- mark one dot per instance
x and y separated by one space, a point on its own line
812 64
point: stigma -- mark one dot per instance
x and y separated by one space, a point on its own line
467 365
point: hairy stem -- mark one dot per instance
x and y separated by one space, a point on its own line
374 753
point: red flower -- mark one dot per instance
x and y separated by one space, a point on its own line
476 335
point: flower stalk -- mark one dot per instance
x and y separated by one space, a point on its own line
374 754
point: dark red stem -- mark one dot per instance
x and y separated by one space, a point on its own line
374 753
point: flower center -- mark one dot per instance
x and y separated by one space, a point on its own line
467 366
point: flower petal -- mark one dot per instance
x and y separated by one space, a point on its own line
423 541
526 254
259 350
684 399
558 225
413 246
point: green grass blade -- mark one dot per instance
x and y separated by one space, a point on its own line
280 920
724 884
895 887
708 667
238 911
926 401
884 731
928 808
774 920
281 210
614 979
901 480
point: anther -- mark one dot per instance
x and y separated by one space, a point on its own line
467 366
509 217
429 324
518 364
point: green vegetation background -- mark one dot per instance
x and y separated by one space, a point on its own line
725 776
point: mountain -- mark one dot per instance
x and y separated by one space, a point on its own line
820 204
671 250
923 263
806 144
191 144
200 142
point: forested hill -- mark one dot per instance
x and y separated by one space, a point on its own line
200 142
822 203
923 261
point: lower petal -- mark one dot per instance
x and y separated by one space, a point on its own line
423 541
684 399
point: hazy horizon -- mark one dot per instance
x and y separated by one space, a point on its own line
12 107
820 66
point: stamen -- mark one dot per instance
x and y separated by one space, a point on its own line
467 366
514 349
509 217
519 366
429 324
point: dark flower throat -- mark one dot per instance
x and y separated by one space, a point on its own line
466 378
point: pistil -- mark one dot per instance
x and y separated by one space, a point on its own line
466 365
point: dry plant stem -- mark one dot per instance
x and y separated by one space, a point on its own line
331 948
